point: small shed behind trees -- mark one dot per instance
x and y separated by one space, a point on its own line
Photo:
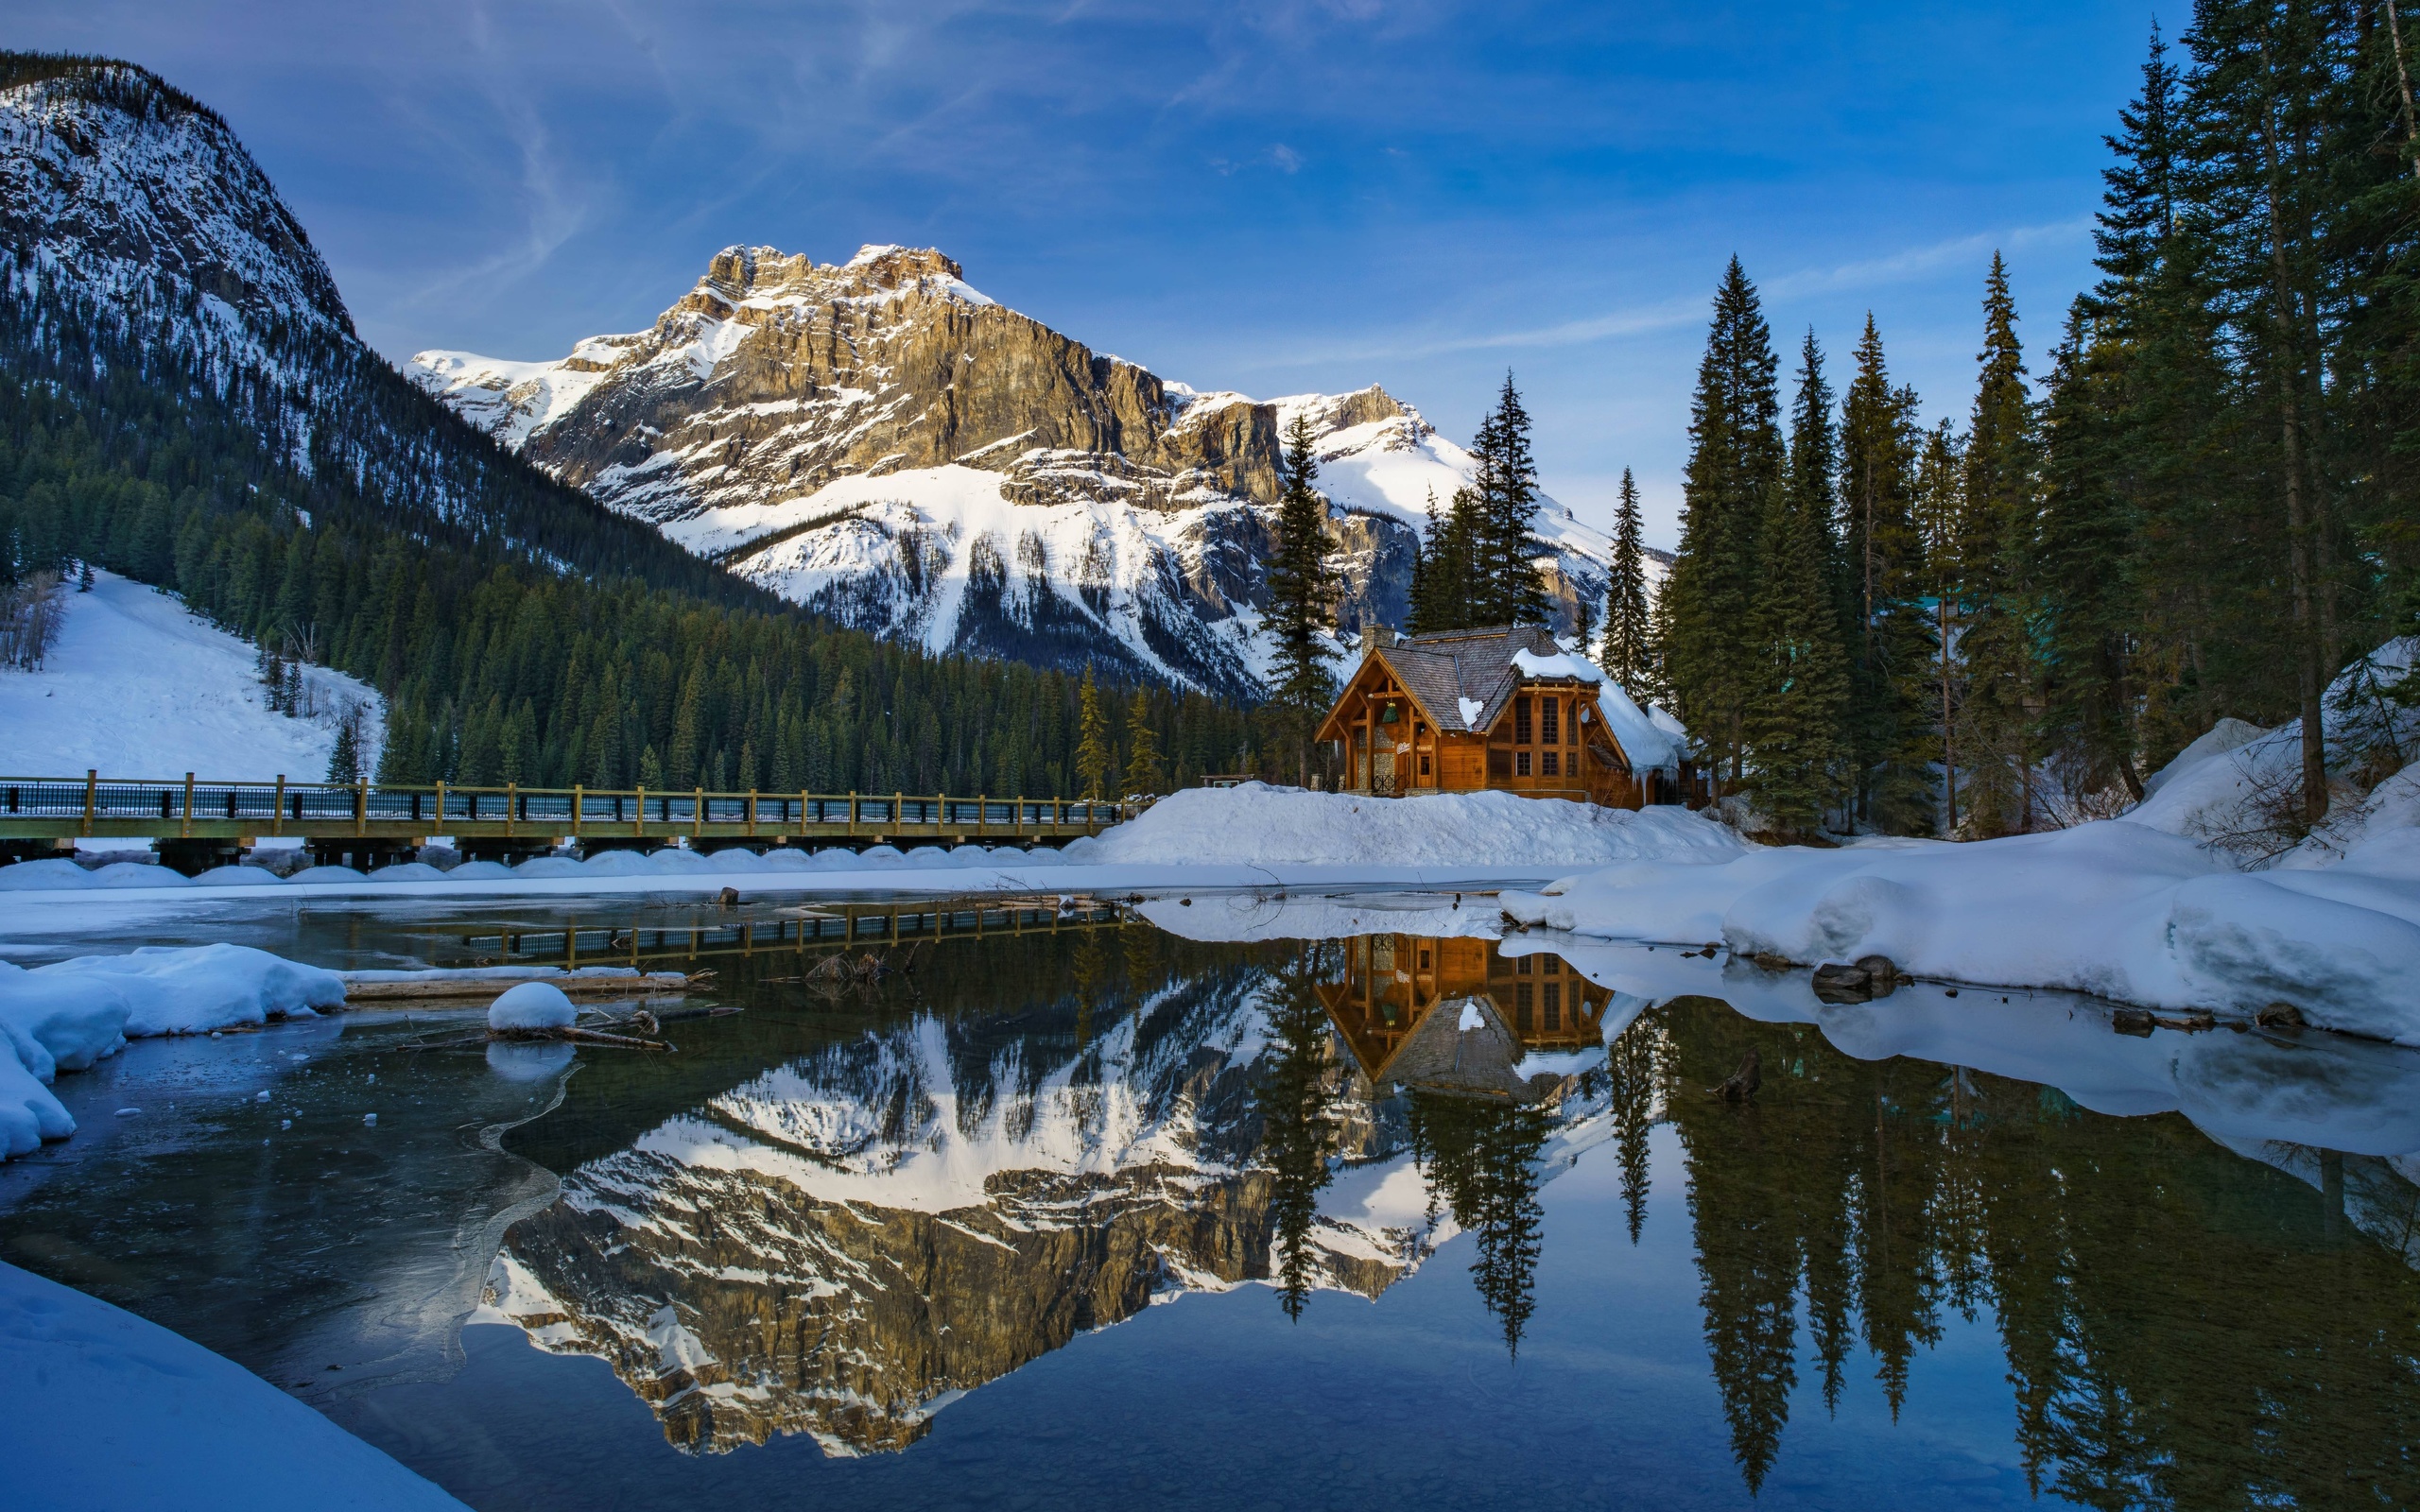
1505 707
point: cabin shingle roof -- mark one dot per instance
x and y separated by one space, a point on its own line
1447 666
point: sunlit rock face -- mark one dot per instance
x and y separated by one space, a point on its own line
842 1245
879 441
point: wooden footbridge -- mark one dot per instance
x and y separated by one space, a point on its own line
197 824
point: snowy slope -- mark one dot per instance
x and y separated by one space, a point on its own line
881 443
138 687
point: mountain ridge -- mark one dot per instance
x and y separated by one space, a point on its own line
884 444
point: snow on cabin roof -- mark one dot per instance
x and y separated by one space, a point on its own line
1452 671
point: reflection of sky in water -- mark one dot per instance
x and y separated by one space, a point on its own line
963 1184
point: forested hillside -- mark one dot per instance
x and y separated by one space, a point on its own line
179 418
2205 509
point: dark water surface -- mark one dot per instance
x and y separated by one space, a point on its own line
1429 1220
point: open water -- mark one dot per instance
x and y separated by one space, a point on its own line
1349 1207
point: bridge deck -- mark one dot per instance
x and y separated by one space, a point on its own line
63 808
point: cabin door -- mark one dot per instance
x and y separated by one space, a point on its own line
1382 768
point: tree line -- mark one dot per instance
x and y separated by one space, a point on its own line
2207 510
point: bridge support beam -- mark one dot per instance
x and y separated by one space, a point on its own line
507 849
597 845
14 850
362 853
191 858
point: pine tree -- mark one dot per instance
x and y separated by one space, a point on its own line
1509 589
1625 603
1735 463
1303 581
1142 755
1995 541
1939 510
344 761
1887 639
1793 724
1092 747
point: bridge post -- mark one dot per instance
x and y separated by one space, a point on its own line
698 816
752 814
579 801
92 795
638 826
184 820
511 807
360 805
440 807
277 814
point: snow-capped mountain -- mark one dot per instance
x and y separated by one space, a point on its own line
138 237
883 443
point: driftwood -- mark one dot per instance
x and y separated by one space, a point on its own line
581 1037
438 989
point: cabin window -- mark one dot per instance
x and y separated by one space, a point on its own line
1553 767
1521 1008
1522 965
1520 763
1499 762
1521 721
1554 1006
1572 731
1553 966
1549 716
1424 764
1424 961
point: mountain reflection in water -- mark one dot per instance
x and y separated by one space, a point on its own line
899 1213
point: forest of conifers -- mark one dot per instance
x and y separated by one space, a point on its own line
2206 510
519 631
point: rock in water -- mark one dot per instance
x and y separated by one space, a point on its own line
1742 1086
533 1005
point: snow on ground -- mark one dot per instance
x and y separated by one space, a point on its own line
1259 825
2159 907
106 1411
138 687
67 1015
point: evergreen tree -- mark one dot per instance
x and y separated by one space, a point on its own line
1889 644
1303 581
1448 595
344 761
1142 752
1795 709
1626 600
1735 465
1940 508
1995 541
1509 589
1092 745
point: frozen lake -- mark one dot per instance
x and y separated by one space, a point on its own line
1433 1219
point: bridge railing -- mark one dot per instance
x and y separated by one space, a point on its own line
283 806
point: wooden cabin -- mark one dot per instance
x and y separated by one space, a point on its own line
1394 986
1456 712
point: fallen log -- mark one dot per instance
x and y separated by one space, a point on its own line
581 1036
416 989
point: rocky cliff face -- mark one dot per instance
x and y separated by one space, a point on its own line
843 1246
883 443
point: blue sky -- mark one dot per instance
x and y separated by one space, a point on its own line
1266 196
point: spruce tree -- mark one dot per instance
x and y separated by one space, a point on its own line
1303 582
1142 749
1939 510
1735 463
1888 638
1795 709
1510 589
1092 745
1625 603
344 761
1995 538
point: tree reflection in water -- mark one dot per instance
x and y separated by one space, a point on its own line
1482 1156
2182 1328
1298 1125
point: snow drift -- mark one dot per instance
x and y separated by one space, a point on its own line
66 1016
2178 904
1254 824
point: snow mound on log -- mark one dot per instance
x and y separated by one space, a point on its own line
533 1005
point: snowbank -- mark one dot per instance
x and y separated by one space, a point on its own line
1259 825
137 686
533 1005
2155 908
107 1410
66 1016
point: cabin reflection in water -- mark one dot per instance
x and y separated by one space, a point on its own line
1460 1016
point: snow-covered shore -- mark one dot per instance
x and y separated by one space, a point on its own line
66 1016
2171 906
1248 836
109 1411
